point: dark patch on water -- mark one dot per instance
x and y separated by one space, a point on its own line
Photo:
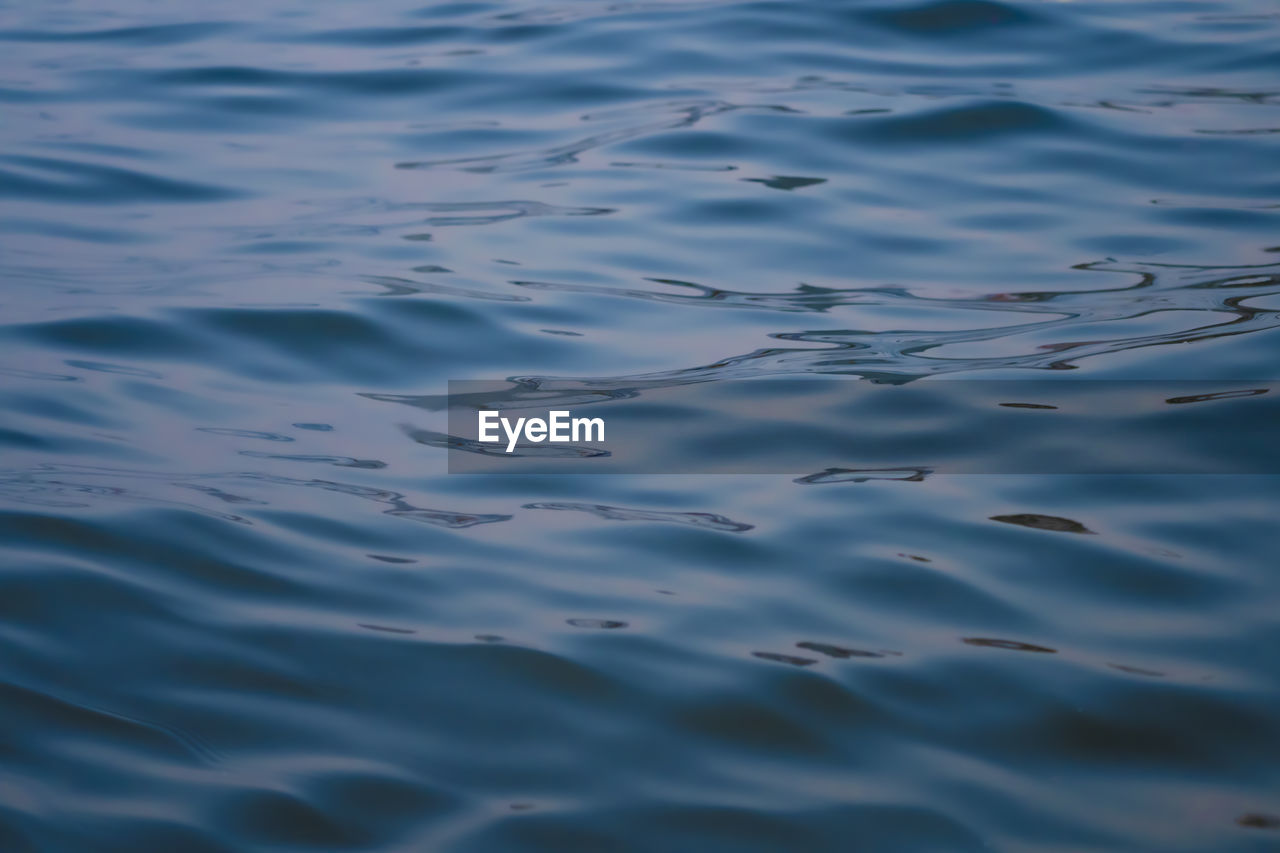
1218 395
1258 820
1011 645
840 652
600 624
864 475
785 182
1043 522
793 660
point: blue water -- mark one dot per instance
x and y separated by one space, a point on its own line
243 244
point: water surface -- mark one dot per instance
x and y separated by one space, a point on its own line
243 246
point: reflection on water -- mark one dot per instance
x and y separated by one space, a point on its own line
1012 645
1043 522
708 520
863 475
246 246
840 652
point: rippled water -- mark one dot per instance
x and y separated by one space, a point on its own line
243 609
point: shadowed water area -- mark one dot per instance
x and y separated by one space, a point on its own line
244 246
